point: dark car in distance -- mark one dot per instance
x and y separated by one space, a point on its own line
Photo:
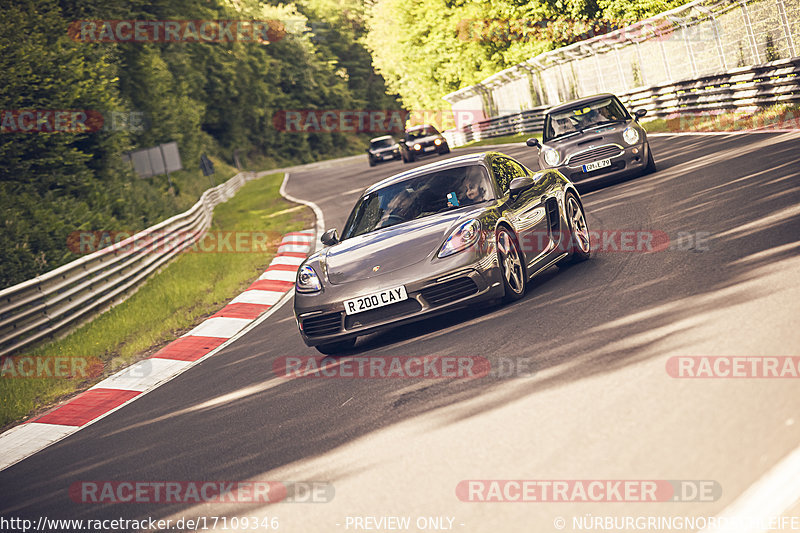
382 149
593 140
422 140
440 237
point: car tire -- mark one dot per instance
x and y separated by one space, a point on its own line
651 163
512 265
372 162
580 244
446 149
333 348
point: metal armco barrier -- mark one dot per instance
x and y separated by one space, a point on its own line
55 302
742 90
705 55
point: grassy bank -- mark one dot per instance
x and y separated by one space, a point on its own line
173 301
517 138
783 116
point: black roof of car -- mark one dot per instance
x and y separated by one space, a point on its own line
579 102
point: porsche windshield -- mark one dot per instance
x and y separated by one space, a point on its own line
418 197
569 121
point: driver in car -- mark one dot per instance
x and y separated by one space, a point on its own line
399 209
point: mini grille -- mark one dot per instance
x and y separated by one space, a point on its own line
594 154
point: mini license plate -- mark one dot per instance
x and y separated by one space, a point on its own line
588 167
429 148
375 300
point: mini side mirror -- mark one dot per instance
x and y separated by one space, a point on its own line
330 237
533 141
640 113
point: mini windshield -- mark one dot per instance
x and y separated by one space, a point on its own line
424 131
582 117
418 197
381 143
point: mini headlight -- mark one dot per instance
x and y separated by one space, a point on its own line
551 157
631 135
307 280
417 146
437 142
461 238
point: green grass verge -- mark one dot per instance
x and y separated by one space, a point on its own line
174 300
518 138
782 116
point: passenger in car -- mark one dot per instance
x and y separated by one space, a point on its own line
474 189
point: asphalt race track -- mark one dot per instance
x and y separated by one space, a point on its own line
598 403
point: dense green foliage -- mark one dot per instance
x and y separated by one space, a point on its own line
215 98
428 48
209 97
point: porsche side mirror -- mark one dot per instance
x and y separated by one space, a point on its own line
640 113
519 185
533 141
330 237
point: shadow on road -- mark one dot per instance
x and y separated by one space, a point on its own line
596 317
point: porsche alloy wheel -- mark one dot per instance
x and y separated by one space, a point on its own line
511 265
580 243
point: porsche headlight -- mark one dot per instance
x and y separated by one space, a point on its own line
631 135
551 157
307 280
461 238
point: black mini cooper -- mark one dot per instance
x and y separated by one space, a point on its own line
594 139
422 140
382 149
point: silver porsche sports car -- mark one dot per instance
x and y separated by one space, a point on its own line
436 238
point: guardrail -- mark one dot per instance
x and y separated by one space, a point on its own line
53 303
743 90
528 121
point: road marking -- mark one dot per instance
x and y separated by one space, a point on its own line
144 374
223 327
773 494
258 297
241 315
279 275
288 260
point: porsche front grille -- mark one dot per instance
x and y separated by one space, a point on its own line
374 316
449 291
323 325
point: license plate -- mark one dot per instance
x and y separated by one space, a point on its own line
375 300
429 148
387 156
588 167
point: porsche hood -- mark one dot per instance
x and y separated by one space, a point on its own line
387 250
